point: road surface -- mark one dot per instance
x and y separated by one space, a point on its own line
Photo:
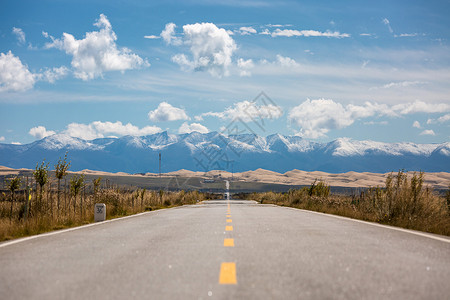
224 250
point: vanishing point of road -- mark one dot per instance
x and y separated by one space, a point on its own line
227 250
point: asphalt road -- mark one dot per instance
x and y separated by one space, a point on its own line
188 253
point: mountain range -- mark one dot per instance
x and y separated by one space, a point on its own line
215 151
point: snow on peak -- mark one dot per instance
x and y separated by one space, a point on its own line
61 140
349 147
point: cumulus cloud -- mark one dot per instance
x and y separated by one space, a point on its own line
308 33
285 61
443 119
100 129
40 132
97 52
168 35
427 132
416 124
211 48
246 111
14 76
167 112
18 32
247 30
51 75
420 106
315 118
245 66
188 128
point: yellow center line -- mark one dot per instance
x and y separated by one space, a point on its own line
227 273
229 221
228 216
229 228
228 242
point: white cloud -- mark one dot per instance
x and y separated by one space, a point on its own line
97 52
211 49
40 132
388 24
2 138
245 66
14 76
168 35
247 30
401 84
246 111
16 143
152 37
420 107
51 75
188 128
427 132
265 32
308 33
19 34
315 118
285 61
443 119
167 112
416 124
100 129
407 35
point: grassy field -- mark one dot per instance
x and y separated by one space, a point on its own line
32 211
403 202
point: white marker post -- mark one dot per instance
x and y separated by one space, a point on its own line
99 212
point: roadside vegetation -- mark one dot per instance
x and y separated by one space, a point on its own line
42 203
404 201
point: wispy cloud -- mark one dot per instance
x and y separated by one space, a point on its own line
20 35
308 33
152 37
388 24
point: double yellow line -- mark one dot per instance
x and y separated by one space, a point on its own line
228 269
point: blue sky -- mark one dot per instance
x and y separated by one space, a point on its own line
367 70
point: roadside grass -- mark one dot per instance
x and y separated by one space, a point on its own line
404 201
42 215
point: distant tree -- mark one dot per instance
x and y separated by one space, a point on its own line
41 177
76 183
14 184
96 183
60 171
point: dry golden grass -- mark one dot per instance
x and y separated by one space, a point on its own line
43 214
402 202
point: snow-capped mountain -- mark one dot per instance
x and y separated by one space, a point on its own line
215 151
